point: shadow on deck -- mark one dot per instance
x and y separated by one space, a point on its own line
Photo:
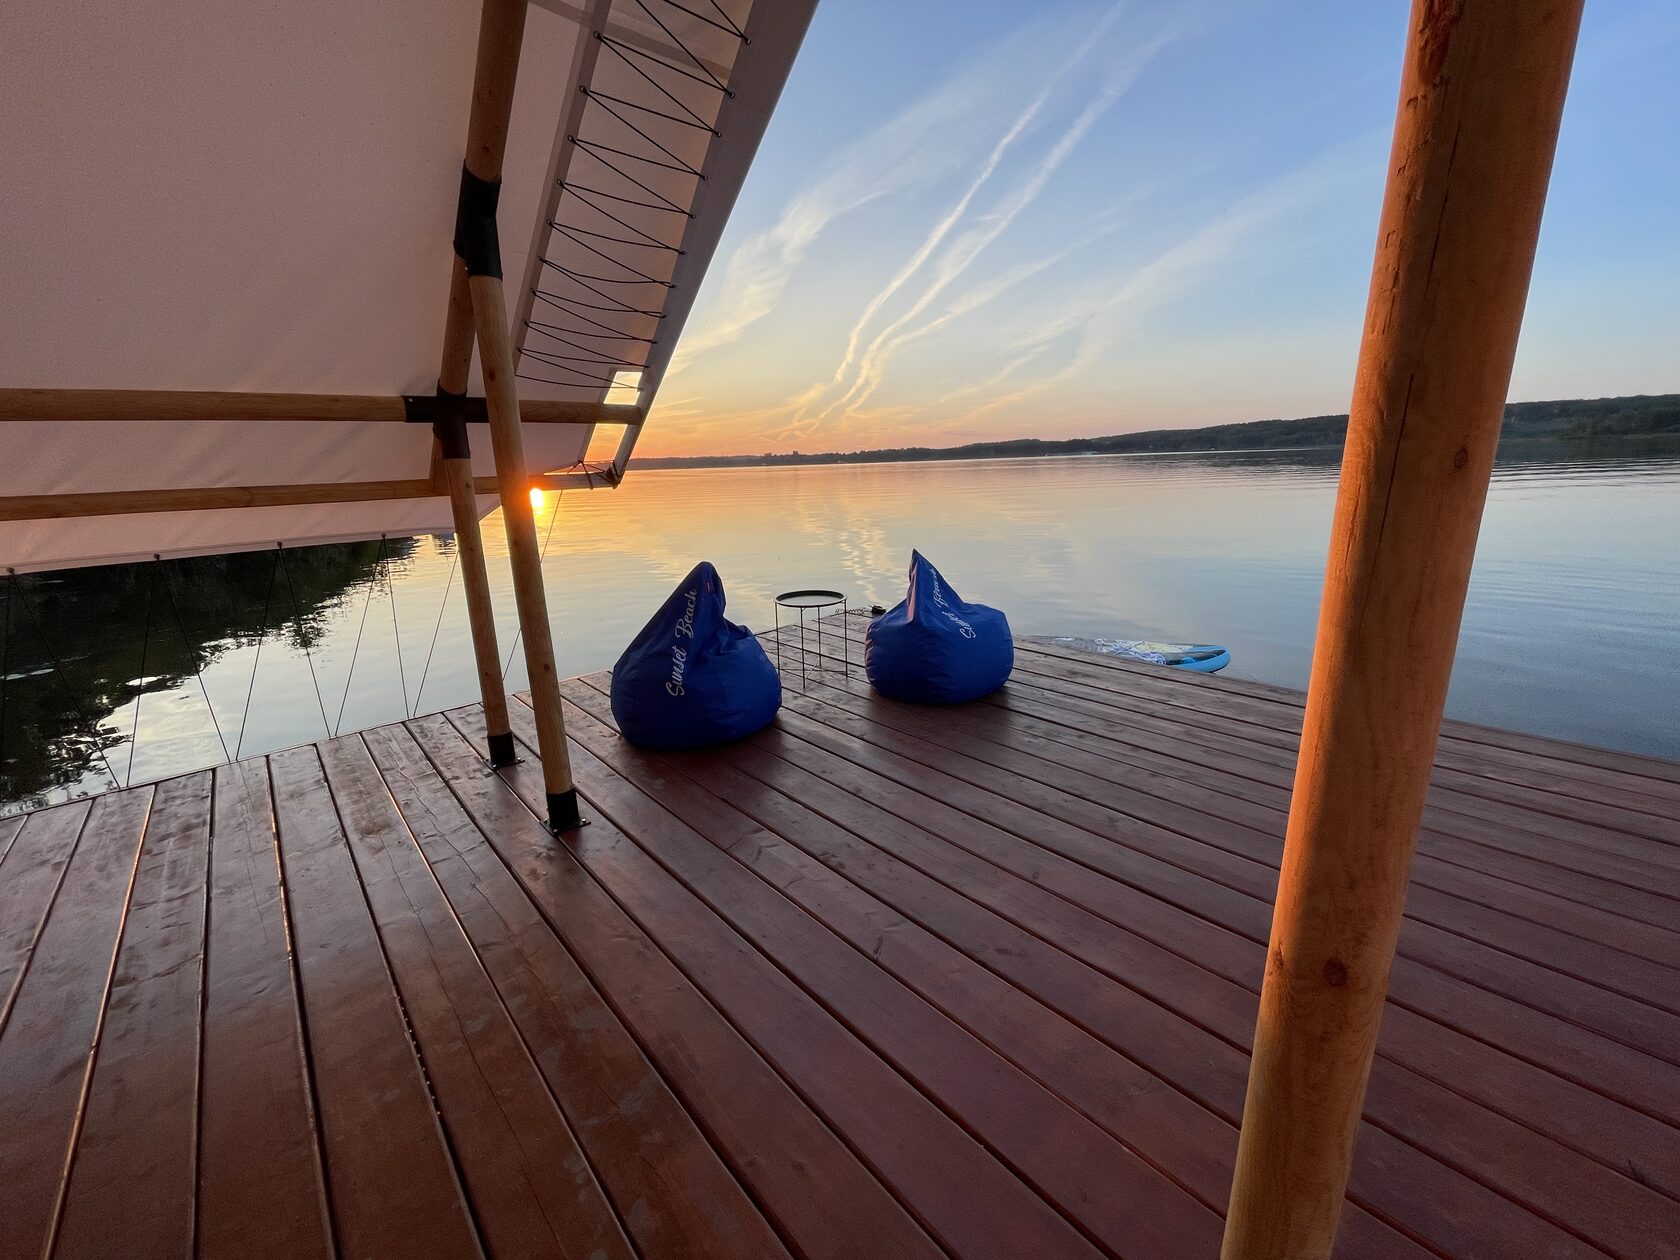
879 982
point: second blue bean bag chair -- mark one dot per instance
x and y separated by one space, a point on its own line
934 648
691 678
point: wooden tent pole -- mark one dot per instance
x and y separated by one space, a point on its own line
140 405
496 361
50 507
1481 95
501 32
454 465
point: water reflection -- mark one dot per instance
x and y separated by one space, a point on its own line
84 650
1569 630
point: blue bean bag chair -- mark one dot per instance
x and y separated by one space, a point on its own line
934 648
691 678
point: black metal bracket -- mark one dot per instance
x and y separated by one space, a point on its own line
449 415
477 244
501 750
563 812
430 408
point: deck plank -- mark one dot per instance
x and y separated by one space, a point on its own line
1528 847
1254 847
532 1188
970 1202
1604 838
1585 768
1514 817
1084 754
261 1185
1234 767
987 739
28 885
131 1188
676 1196
1610 1204
1631 803
1573 1107
1463 814
1222 771
1233 889
881 979
393 1183
1189 1142
1245 862
51 1036
810 1183
9 828
1541 747
1095 1181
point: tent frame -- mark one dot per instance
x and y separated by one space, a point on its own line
1481 99
769 40
59 405
477 310
140 405
476 313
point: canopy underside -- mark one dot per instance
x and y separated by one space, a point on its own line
261 199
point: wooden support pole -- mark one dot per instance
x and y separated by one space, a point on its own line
57 507
496 361
481 612
29 405
1481 95
455 469
500 34
457 333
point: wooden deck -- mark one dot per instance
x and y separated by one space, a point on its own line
879 982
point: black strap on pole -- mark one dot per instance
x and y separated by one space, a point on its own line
477 244
448 414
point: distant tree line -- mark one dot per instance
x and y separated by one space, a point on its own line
1636 416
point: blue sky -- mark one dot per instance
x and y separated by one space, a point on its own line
980 219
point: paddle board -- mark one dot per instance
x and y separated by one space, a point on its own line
1204 658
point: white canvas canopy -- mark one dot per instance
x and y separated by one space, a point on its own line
260 200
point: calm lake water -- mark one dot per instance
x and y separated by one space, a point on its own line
1571 626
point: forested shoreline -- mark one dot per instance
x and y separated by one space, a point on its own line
1639 415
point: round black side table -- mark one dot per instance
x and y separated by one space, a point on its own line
815 603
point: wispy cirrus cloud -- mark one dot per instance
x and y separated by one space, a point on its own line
1091 325
966 247
914 150
954 215
966 303
991 176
